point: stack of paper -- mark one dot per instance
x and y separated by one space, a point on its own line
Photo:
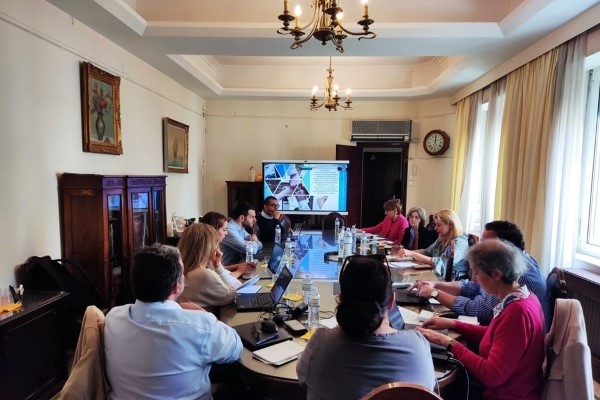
280 353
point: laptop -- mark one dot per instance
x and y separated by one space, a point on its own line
272 265
265 301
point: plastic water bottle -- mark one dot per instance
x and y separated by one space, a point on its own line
340 243
337 225
374 246
314 307
307 285
347 243
288 248
283 263
353 231
277 234
249 253
364 246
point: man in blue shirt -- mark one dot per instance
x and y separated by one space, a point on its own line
234 244
156 348
467 298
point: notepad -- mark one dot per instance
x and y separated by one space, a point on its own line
279 353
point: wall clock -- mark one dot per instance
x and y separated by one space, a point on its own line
436 142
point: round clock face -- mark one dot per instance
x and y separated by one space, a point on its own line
436 142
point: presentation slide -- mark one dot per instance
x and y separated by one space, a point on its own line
307 186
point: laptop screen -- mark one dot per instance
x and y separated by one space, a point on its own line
284 279
275 258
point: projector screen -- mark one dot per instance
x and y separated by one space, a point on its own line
307 187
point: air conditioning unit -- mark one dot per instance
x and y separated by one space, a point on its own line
381 131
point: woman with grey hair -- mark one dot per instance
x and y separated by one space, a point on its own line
511 349
416 236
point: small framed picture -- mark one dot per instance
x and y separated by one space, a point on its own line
175 146
101 110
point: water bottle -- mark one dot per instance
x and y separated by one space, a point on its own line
340 243
364 246
347 243
249 253
288 248
277 234
353 231
337 225
374 246
307 285
283 263
314 307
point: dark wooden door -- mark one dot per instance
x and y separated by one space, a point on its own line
354 155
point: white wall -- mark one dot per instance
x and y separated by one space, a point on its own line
41 137
240 134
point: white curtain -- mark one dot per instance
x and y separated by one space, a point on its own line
564 161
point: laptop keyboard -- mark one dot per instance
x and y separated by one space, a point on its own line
262 273
263 300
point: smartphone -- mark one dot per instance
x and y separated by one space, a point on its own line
295 326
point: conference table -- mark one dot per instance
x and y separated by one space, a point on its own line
313 255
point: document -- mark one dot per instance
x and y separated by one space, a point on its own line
279 353
249 289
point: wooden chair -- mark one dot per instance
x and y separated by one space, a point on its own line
401 391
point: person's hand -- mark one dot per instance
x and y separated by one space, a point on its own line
439 323
419 285
402 252
246 267
276 214
216 259
191 306
435 337
253 238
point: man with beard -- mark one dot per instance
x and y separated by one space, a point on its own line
234 244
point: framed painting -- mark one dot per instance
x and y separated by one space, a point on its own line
101 110
175 146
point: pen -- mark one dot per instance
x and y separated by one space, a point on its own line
265 340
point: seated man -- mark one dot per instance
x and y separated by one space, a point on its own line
268 219
156 348
467 298
234 243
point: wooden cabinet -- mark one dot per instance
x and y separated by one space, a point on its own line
105 219
251 192
33 362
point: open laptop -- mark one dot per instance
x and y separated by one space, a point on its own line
265 301
272 265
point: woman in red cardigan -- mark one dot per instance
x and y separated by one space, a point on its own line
393 225
511 348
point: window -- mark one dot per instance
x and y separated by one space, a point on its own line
589 235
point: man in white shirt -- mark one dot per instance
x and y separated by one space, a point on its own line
156 348
234 243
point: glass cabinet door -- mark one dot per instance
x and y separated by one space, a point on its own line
115 242
141 219
158 202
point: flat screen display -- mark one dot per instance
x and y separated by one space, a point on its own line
307 187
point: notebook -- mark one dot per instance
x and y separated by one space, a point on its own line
279 354
249 340
265 301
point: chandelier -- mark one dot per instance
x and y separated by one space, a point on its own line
325 24
331 98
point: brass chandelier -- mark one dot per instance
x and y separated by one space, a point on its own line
331 98
325 24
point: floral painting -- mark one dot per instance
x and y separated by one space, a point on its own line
100 110
175 146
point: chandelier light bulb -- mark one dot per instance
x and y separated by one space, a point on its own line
348 92
297 13
315 90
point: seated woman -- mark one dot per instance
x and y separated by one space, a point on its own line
511 349
229 273
416 236
363 352
448 250
203 286
393 225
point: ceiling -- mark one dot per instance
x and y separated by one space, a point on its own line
228 49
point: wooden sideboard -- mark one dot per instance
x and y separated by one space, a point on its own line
33 362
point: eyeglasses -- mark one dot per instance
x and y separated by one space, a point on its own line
273 205
379 257
255 333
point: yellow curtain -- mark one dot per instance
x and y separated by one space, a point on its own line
466 114
526 127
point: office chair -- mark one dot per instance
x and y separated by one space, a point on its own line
556 285
329 221
401 391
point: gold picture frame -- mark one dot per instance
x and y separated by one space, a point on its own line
175 146
101 110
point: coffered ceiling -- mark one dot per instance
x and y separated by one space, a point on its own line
230 49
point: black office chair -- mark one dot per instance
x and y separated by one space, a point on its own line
329 221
